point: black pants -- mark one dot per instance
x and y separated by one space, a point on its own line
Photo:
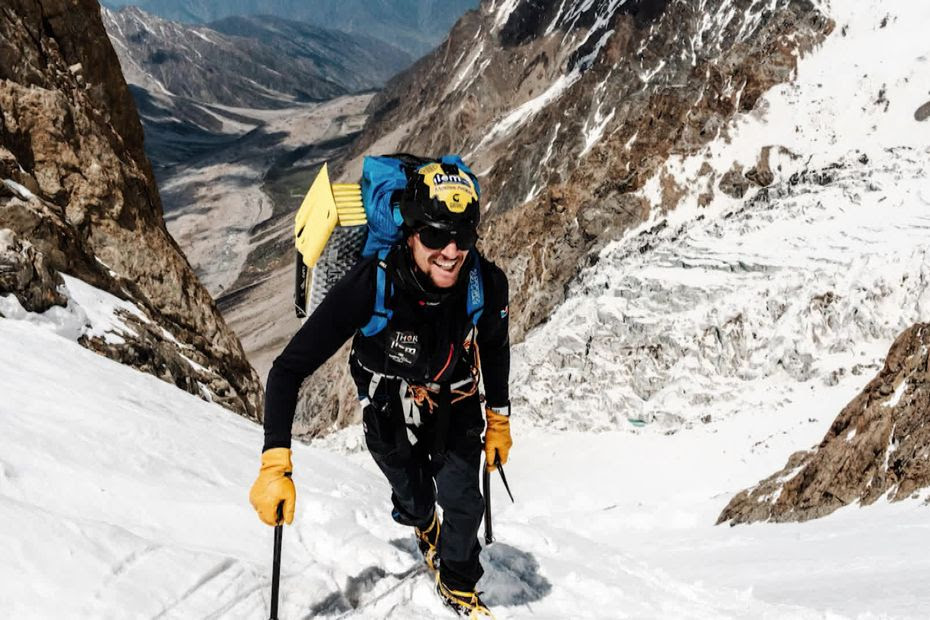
419 478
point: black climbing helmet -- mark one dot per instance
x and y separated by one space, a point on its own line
440 195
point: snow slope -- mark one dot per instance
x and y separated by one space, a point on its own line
121 496
690 320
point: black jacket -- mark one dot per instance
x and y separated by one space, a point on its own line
423 342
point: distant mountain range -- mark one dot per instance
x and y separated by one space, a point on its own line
256 62
416 26
185 78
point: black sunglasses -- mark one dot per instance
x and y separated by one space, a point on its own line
438 238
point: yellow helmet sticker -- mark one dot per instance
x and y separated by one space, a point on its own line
456 191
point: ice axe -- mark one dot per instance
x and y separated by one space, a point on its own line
488 533
276 566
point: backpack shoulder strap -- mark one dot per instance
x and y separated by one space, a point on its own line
474 299
474 302
382 314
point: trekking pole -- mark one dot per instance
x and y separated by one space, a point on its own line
276 566
486 479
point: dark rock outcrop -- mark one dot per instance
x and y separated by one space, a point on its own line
72 146
877 447
923 112
24 272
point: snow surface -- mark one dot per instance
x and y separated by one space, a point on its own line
90 312
718 316
731 336
122 496
21 190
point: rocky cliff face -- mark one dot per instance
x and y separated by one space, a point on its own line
78 198
566 109
877 447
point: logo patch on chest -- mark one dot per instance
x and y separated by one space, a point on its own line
404 348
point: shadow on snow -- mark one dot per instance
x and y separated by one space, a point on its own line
512 577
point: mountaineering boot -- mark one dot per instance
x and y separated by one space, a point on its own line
427 540
464 603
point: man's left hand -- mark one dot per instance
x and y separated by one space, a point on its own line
497 441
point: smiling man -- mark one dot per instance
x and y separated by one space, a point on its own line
443 327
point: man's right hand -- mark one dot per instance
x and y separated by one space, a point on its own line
274 487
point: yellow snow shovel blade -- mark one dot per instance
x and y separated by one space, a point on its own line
316 218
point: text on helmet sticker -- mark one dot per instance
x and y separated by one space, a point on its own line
456 191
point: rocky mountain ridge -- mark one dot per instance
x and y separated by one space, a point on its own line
565 111
78 197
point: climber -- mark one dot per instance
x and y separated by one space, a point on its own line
429 320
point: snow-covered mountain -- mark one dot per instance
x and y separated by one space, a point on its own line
809 282
248 62
733 305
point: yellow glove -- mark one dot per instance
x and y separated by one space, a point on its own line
274 486
497 440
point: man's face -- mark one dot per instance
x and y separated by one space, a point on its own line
442 265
